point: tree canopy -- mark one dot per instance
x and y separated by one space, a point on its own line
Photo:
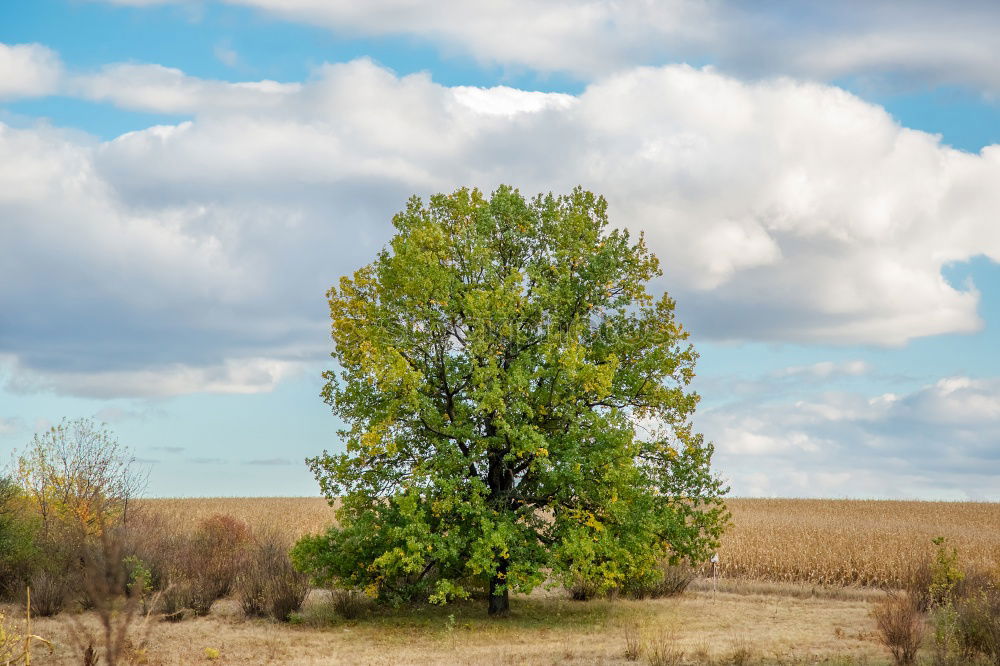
516 408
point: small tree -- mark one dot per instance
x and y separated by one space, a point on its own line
515 406
77 473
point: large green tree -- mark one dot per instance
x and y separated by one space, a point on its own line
516 408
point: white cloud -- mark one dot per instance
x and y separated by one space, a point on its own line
937 441
923 40
781 210
169 90
240 376
824 370
28 70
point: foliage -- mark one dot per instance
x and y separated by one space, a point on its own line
977 621
19 550
515 402
945 573
77 475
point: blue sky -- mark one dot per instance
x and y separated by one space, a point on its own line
181 180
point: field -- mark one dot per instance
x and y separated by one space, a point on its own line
869 543
795 589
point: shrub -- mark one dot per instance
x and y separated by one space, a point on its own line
667 580
50 592
268 584
216 552
19 529
175 601
977 623
945 573
900 627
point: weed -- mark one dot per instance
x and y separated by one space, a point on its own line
633 642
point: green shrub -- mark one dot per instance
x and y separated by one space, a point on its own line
977 623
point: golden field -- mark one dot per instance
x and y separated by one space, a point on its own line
795 589
822 542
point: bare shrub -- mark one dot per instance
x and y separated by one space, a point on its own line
175 602
217 550
268 584
900 627
50 592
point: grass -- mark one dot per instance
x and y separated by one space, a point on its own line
703 626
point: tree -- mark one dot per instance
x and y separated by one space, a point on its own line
516 408
77 475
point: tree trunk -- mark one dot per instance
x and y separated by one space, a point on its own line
499 601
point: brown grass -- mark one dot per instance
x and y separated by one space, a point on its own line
702 628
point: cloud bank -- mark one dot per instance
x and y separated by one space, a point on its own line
193 257
935 442
921 41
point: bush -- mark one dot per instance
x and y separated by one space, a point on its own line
216 552
19 529
667 580
268 584
50 592
977 623
900 627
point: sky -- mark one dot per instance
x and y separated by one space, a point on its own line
182 180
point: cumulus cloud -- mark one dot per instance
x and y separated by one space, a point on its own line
936 441
922 40
194 256
28 70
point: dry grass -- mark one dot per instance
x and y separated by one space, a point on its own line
702 628
853 542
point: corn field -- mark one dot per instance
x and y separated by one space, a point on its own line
821 542
853 542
